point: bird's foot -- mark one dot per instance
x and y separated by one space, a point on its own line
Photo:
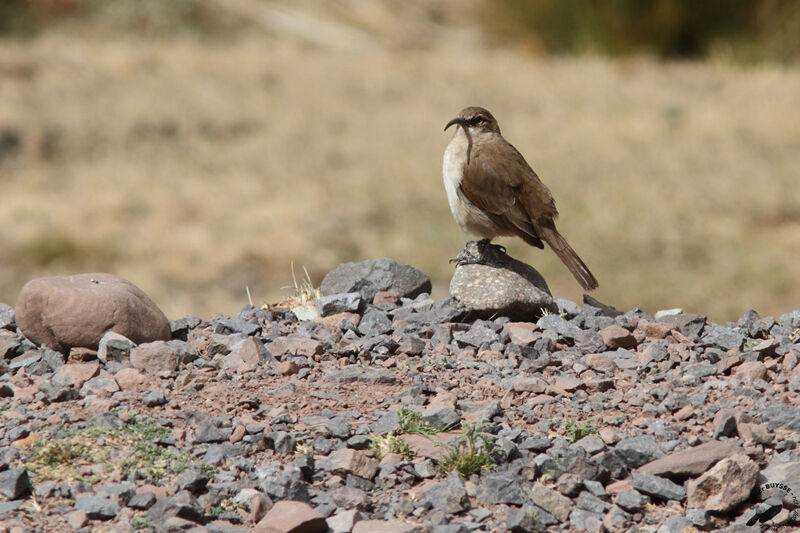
478 252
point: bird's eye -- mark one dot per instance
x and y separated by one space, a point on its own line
477 120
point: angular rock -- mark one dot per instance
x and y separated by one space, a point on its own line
616 336
349 302
64 312
349 461
292 517
551 501
500 285
692 461
360 374
158 356
293 345
384 526
114 347
636 451
749 371
658 487
369 277
600 362
15 484
522 333
501 487
343 521
725 486
97 507
75 374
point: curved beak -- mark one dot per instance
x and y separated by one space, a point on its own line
458 120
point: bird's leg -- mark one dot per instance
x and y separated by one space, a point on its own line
478 252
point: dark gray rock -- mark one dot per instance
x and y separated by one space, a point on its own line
97 507
449 495
114 347
675 524
501 487
360 374
369 277
636 451
7 317
689 324
724 337
523 520
583 520
228 326
181 505
339 303
119 493
207 432
143 501
153 398
699 370
631 501
374 323
561 326
386 423
658 487
499 285
193 479
15 484
286 484
441 419
589 502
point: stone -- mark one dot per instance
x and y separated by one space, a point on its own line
636 451
655 330
131 379
631 501
692 461
583 520
77 519
749 371
369 277
350 461
63 312
247 355
102 386
499 286
564 328
349 302
522 333
374 323
155 357
97 507
142 501
616 336
532 384
551 501
501 487
724 337
114 347
193 479
153 398
658 487
725 423
75 374
360 374
343 521
288 516
293 345
523 521
786 473
384 526
15 484
676 524
600 362
725 486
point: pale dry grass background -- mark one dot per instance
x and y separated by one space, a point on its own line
196 167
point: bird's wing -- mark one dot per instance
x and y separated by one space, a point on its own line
499 181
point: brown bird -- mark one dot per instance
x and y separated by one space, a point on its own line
493 191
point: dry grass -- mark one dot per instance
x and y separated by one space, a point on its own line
195 168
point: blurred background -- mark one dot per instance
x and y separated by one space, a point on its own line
202 147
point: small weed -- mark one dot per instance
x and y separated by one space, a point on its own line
304 293
575 432
139 522
132 447
391 443
472 453
411 422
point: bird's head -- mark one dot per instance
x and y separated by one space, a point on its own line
475 120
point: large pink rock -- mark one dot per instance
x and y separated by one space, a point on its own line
64 312
289 516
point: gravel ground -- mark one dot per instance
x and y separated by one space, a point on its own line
398 417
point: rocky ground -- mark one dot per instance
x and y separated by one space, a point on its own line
390 412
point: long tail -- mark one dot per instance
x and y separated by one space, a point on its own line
568 256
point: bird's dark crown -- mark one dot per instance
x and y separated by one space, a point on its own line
477 118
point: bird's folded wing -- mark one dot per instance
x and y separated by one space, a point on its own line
498 181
